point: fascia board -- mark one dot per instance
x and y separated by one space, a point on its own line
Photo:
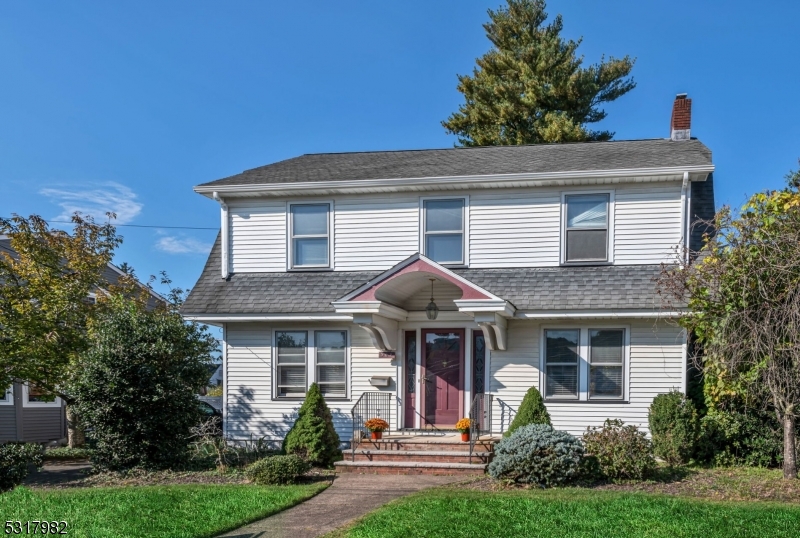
453 181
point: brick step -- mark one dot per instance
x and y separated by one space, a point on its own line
397 467
398 445
440 456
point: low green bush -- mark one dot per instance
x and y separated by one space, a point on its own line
531 411
537 454
277 470
15 458
622 452
674 426
735 437
67 453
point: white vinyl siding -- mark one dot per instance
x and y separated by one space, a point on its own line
504 228
654 367
647 223
257 236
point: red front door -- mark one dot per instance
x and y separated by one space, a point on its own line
442 376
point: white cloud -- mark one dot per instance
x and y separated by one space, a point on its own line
182 245
95 199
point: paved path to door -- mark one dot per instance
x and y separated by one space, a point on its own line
350 497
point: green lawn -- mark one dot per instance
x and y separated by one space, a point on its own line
573 513
157 511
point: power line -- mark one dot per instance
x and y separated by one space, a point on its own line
146 226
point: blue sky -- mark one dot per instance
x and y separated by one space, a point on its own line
125 106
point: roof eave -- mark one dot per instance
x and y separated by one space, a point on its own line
696 173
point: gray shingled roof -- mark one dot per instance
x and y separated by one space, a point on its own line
560 288
625 154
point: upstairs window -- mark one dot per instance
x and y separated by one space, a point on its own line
443 230
586 229
7 396
33 396
309 231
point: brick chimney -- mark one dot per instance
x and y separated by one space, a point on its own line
680 126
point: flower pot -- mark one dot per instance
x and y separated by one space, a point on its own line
465 437
376 435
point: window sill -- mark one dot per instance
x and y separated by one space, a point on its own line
309 269
585 264
591 402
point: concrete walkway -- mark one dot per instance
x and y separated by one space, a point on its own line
350 497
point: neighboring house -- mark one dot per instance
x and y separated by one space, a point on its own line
433 276
27 414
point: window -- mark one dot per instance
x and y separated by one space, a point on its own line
292 348
312 356
606 361
309 230
586 228
443 235
7 396
584 363
561 363
33 396
331 349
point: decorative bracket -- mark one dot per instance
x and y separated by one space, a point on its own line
382 331
495 330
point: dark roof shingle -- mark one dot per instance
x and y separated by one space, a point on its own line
539 158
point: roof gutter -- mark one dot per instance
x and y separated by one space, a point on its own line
696 172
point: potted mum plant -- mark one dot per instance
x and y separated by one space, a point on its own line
463 426
376 427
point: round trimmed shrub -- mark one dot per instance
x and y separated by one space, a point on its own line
537 454
674 426
277 470
15 458
620 451
531 411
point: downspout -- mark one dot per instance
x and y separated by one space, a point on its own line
685 195
225 234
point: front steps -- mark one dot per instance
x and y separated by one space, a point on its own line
418 454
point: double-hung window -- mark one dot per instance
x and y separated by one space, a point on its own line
310 235
312 356
7 396
443 230
331 348
292 354
584 364
586 228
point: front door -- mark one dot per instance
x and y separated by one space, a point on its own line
442 376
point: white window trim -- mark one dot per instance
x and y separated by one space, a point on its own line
290 236
465 224
311 361
26 403
609 236
584 362
8 396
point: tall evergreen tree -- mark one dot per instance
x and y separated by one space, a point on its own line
531 87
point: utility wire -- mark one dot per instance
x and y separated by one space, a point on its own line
146 226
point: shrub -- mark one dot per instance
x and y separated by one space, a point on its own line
15 458
67 453
531 411
736 437
674 426
621 451
313 436
277 470
136 388
537 454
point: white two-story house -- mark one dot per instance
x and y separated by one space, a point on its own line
430 277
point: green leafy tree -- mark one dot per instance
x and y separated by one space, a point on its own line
44 311
743 298
531 411
313 436
531 87
138 382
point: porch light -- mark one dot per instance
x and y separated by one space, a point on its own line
432 311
